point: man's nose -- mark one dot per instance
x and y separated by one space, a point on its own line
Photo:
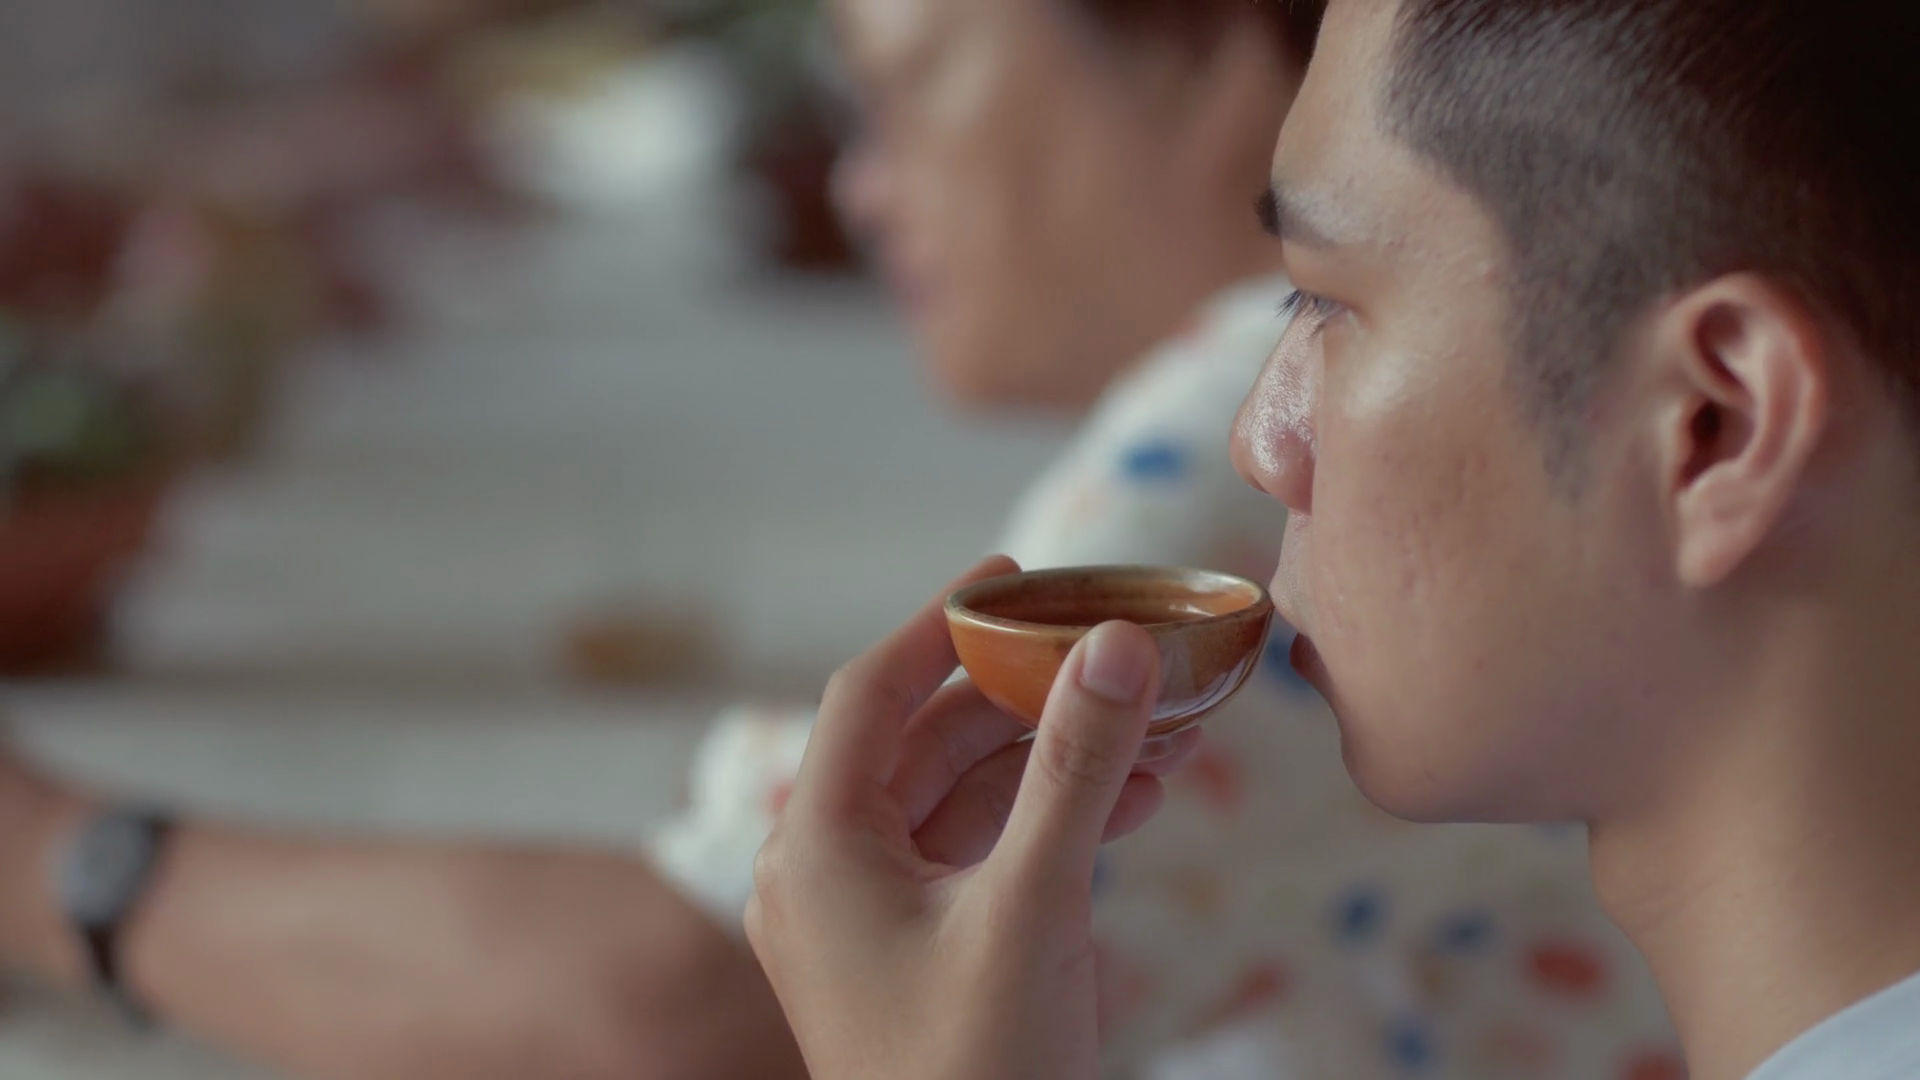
1273 440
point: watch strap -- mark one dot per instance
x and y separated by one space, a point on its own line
100 900
102 945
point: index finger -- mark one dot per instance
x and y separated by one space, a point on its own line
856 738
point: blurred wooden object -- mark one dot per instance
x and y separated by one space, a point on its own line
640 644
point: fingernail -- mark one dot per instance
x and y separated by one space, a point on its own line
1111 667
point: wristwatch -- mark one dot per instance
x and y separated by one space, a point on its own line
100 877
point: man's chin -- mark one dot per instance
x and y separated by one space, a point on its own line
1419 798
1412 791
1396 801
1457 785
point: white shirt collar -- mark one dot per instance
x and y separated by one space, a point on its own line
1878 1039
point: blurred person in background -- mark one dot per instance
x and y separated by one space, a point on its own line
1063 194
330 957
342 958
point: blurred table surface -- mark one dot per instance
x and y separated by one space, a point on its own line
361 626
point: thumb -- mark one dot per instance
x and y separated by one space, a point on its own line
1087 747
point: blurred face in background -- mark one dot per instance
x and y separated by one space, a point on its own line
1048 195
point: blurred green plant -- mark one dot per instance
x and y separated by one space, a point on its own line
63 424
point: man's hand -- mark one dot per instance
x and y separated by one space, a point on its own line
924 907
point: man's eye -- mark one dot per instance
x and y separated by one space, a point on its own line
1301 304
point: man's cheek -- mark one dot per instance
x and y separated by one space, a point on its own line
1352 526
1344 560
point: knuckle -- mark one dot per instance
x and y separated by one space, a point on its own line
843 684
898 697
777 878
770 870
955 749
754 923
1077 761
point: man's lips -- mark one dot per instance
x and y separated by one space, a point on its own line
1306 661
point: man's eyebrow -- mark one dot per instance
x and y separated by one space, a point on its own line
1287 218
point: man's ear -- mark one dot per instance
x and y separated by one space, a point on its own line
1749 377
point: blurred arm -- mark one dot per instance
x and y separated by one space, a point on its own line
363 959
35 816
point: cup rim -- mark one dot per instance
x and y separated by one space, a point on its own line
959 603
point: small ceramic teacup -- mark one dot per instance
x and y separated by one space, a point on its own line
1014 632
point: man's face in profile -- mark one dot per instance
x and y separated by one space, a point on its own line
1473 618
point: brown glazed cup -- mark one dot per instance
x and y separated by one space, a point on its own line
1014 632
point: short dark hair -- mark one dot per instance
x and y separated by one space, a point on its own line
1634 148
1293 24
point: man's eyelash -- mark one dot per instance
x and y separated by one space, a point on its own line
1301 302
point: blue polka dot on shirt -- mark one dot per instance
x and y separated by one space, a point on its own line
1156 460
1466 933
1411 1047
1359 915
